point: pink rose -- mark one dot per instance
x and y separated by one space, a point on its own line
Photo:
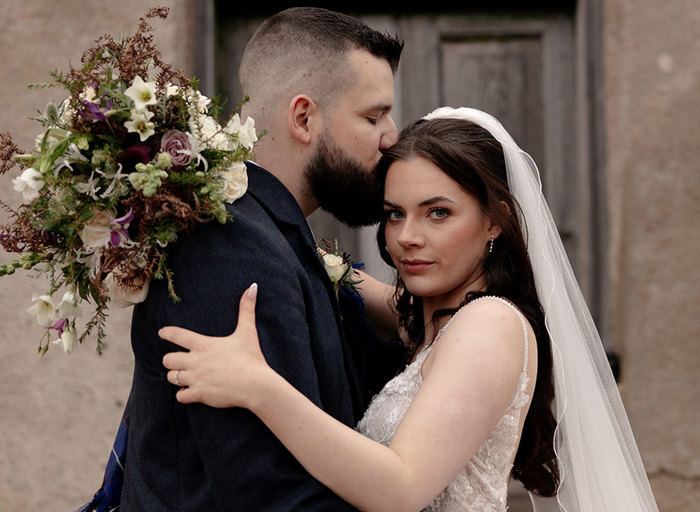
177 145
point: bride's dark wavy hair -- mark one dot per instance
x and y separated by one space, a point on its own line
474 159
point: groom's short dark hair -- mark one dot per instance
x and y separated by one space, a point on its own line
333 31
303 49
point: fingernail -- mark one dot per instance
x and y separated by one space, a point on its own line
253 290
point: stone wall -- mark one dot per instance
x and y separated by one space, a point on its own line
59 413
652 107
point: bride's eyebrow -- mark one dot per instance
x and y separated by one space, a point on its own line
390 204
426 202
436 199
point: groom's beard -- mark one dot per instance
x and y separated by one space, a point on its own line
342 186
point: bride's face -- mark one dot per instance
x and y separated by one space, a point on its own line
436 232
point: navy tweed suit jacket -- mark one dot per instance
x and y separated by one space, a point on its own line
196 458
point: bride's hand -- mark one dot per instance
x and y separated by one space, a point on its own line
220 372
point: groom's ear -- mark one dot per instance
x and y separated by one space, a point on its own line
301 116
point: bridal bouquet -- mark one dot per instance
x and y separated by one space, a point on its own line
134 156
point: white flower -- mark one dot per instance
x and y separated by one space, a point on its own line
171 90
142 93
235 181
66 113
92 258
68 306
124 295
245 132
195 151
335 266
141 123
89 187
71 155
202 102
29 183
97 231
197 101
115 180
209 133
68 339
43 309
88 94
214 137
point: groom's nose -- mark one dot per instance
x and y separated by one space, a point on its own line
390 136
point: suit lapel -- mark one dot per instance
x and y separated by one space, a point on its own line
279 203
283 208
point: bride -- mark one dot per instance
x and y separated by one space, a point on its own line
506 377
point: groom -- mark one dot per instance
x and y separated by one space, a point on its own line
321 84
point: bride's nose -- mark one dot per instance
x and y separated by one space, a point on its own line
409 235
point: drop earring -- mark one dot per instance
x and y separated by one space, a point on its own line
491 244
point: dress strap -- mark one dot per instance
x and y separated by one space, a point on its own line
512 306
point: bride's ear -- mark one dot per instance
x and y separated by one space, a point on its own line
506 207
495 229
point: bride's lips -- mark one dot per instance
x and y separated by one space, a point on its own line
415 265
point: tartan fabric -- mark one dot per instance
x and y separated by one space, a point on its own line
108 497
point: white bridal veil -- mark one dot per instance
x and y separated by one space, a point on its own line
600 466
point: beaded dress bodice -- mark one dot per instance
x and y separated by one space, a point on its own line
482 485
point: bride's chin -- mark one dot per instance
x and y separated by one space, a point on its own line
418 289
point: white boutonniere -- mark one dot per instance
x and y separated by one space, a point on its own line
338 265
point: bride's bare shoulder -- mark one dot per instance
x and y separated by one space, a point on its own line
489 325
487 312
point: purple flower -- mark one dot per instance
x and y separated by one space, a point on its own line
177 145
94 111
135 154
59 325
116 237
119 228
124 220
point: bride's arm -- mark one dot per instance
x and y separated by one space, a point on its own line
379 303
466 389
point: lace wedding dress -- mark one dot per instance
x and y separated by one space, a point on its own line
482 485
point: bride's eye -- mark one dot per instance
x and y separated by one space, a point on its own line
439 213
393 215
